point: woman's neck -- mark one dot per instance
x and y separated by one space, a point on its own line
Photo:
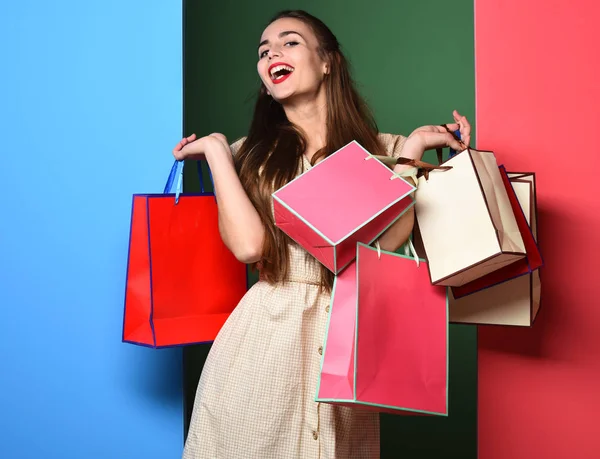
310 115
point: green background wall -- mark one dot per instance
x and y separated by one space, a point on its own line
413 62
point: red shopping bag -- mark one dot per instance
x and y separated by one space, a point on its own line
182 281
527 265
387 341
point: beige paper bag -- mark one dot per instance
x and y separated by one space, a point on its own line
467 225
512 303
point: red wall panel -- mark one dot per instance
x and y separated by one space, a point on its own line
538 108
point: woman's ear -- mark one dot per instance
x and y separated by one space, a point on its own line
327 63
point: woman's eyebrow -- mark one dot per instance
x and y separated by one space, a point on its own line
281 35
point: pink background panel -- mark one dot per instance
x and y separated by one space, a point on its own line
538 99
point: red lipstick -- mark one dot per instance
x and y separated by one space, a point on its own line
281 78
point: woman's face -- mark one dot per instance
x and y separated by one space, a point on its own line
288 61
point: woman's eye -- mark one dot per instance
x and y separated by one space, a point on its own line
288 43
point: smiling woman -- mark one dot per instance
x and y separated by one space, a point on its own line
281 51
255 398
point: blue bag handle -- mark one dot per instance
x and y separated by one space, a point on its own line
177 171
452 151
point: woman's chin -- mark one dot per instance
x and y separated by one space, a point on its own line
295 97
283 96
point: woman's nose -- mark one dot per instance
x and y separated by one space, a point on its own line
274 52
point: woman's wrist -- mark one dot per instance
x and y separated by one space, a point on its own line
412 148
215 150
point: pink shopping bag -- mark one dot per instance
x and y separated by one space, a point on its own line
387 341
347 198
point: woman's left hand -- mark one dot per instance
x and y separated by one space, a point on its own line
430 137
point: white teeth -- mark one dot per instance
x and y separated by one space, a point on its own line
280 67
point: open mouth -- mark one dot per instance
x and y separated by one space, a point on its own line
280 72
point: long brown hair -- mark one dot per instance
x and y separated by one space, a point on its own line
275 146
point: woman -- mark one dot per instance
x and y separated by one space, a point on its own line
255 399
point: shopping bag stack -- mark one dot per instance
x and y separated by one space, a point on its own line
477 227
511 295
477 261
387 341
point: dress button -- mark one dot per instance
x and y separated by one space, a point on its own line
315 435
327 309
321 350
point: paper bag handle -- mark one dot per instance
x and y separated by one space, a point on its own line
456 135
421 165
417 164
179 188
409 249
426 168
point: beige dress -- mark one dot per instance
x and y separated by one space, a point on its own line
255 398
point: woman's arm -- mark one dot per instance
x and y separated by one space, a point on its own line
421 139
240 225
397 234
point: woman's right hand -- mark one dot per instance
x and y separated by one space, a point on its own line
240 225
192 148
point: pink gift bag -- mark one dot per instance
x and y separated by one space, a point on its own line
348 197
387 341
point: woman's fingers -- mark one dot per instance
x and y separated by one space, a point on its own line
187 140
180 145
444 135
441 139
465 132
178 153
448 127
465 127
184 142
451 129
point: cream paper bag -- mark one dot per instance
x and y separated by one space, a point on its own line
512 303
467 225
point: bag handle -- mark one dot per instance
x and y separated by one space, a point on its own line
422 166
177 171
171 178
426 168
409 249
453 152
417 164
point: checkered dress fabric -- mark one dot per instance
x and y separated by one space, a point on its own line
255 398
